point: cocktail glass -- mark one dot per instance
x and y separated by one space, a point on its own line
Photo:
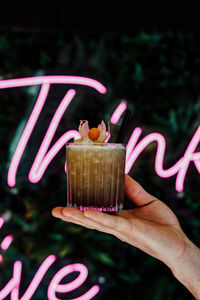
95 175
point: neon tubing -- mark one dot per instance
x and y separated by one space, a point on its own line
118 112
26 134
55 285
58 79
181 167
41 161
6 242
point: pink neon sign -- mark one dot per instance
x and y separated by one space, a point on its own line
41 161
13 285
55 285
118 112
180 168
5 244
43 158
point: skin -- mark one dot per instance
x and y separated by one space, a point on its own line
151 226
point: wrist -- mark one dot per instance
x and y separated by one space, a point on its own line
186 268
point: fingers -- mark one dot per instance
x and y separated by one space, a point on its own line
115 223
57 212
136 193
76 216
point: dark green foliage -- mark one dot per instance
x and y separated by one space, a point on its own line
158 74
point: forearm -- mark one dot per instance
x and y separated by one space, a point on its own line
187 268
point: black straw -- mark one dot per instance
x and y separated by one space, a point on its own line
123 127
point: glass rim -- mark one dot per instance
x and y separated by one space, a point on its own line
93 144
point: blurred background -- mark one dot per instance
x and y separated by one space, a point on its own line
146 54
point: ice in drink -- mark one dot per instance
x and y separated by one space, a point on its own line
95 175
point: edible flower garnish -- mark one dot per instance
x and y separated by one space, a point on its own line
97 135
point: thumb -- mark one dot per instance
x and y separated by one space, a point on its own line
135 192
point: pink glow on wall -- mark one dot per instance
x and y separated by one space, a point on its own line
55 285
6 242
118 112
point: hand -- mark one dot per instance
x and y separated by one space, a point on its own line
151 227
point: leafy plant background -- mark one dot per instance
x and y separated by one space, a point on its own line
157 73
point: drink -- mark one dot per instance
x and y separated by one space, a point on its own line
95 175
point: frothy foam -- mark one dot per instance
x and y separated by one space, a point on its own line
98 146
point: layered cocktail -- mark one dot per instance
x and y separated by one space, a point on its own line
95 174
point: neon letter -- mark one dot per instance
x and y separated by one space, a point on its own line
6 242
26 134
13 285
180 167
38 277
58 79
41 161
55 285
187 158
118 112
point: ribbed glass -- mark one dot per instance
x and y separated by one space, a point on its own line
95 176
